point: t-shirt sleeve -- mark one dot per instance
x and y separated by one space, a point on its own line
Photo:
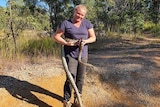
89 25
62 25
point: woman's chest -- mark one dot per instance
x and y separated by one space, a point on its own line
74 31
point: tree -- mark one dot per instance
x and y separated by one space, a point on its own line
102 10
59 10
155 11
11 26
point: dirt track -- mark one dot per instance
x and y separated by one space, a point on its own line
128 77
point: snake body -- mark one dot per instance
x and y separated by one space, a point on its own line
67 70
70 76
80 50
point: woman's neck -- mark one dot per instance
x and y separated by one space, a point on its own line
75 21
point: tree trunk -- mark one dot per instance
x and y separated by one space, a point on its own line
11 28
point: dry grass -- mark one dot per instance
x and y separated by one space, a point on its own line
128 77
130 72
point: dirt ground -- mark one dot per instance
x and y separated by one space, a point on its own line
128 75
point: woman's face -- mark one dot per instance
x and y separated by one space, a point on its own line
79 14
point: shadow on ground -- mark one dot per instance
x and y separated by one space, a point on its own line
130 72
22 90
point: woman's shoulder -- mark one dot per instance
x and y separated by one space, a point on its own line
86 20
87 23
67 21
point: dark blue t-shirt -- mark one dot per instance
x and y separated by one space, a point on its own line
73 32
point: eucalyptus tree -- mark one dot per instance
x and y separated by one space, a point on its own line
16 23
19 18
56 10
117 15
154 11
102 10
135 15
31 4
11 25
3 18
128 15
59 10
25 17
76 2
36 16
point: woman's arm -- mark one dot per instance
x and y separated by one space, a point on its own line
58 38
91 38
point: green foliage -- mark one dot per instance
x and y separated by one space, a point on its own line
7 47
41 47
154 11
148 26
4 18
134 23
111 16
29 45
151 28
156 30
23 18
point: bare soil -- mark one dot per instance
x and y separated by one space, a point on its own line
128 75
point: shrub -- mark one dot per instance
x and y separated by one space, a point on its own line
41 47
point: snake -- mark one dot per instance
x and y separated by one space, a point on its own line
64 62
69 75
81 46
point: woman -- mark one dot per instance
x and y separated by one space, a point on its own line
75 28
